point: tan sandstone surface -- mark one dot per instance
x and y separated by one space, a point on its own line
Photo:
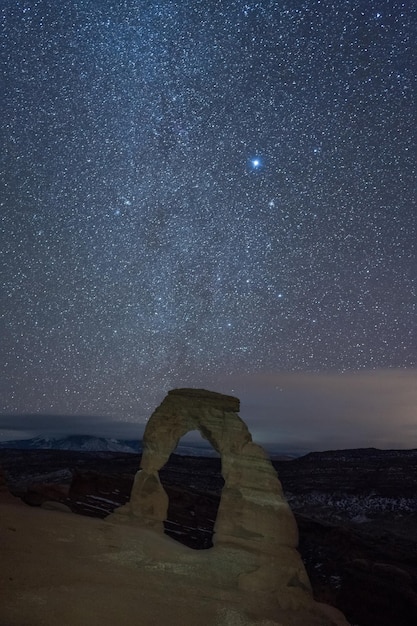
61 568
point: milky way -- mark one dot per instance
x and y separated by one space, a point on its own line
199 189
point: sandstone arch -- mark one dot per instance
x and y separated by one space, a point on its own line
255 526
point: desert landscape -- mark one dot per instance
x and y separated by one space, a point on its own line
58 567
356 512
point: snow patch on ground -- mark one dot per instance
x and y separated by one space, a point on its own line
353 507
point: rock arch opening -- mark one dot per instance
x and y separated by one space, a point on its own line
193 482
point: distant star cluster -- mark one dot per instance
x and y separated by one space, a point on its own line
192 190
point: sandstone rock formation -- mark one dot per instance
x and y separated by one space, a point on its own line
5 494
39 493
256 535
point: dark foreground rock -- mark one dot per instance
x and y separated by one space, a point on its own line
356 512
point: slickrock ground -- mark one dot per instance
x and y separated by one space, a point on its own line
63 569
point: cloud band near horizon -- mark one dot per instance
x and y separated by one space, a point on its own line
311 411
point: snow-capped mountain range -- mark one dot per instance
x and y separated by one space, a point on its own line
78 443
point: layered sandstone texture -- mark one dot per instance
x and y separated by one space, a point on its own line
256 537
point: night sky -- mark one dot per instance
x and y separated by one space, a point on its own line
204 193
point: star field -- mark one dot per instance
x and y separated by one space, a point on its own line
192 190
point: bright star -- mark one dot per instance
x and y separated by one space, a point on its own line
255 163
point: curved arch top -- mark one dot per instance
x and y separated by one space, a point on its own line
213 414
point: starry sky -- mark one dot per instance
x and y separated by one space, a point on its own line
214 194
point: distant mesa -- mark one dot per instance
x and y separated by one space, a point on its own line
256 536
